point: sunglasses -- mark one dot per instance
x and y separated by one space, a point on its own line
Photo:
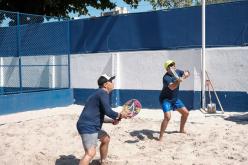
171 65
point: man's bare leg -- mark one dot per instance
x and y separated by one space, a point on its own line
167 116
104 147
88 156
185 113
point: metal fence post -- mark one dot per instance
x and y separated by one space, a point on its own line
1 76
69 54
18 50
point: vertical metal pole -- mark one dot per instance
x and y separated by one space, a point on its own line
53 72
18 50
1 75
118 80
203 55
69 53
1 72
116 72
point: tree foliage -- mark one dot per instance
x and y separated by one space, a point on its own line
59 7
169 4
62 8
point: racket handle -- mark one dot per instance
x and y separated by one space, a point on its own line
119 117
174 73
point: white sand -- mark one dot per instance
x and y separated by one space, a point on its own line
49 137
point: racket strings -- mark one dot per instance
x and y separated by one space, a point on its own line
132 107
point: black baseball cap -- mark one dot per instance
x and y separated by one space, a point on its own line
103 79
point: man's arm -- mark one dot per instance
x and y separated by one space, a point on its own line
174 85
184 75
104 98
112 121
108 119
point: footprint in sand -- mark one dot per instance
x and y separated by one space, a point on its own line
141 147
113 156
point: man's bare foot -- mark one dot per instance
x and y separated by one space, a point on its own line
183 131
104 162
160 139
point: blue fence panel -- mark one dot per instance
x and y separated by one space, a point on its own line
90 35
45 38
34 53
226 25
157 30
8 41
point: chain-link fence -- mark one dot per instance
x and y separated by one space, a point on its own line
34 53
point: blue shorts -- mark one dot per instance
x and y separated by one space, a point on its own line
169 105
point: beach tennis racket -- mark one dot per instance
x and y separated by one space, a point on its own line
132 107
173 71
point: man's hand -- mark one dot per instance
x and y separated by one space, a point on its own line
180 79
186 74
125 114
115 122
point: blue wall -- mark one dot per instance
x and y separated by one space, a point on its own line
192 99
35 100
148 98
226 25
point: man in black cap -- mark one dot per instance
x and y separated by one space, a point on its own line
92 117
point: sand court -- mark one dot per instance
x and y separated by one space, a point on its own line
50 137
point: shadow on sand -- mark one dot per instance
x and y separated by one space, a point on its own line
72 160
67 160
146 133
239 119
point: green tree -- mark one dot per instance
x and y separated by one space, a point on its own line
59 7
62 8
169 4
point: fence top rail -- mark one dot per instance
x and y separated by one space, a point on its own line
37 15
